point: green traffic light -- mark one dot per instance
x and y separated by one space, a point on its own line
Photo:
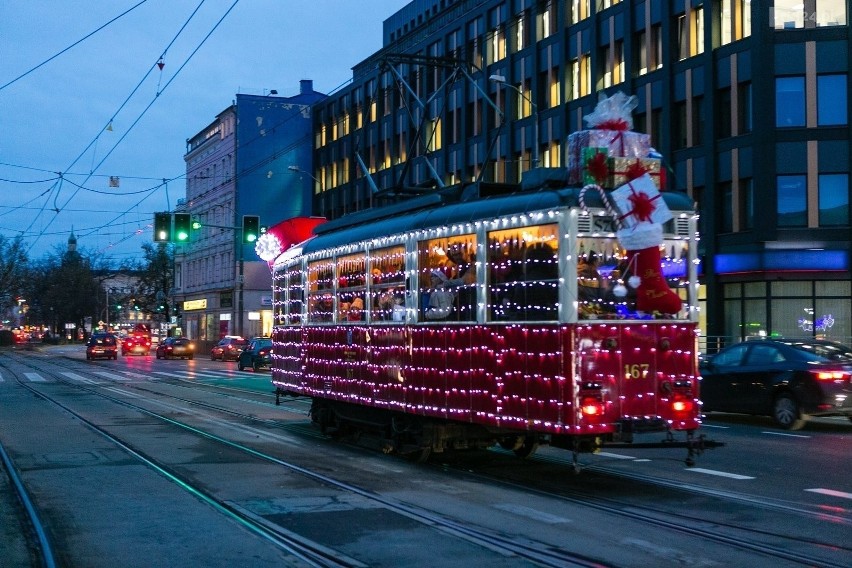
182 225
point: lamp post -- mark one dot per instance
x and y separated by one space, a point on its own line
502 80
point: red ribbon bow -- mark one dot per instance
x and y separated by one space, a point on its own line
598 168
635 170
643 205
613 124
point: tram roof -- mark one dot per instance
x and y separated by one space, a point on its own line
453 206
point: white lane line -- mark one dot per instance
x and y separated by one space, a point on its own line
76 377
615 456
718 473
1 378
122 392
111 376
705 425
35 377
785 434
831 492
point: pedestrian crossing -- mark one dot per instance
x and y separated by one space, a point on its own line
119 376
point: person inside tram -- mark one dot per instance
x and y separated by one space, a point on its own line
590 285
441 299
462 280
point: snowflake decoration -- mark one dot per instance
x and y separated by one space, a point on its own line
267 247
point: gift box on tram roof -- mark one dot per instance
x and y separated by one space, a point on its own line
622 170
639 201
618 143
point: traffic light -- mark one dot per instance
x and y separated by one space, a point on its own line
251 228
162 227
182 227
196 224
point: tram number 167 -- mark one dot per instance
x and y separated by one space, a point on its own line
636 371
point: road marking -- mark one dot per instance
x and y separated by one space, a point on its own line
705 425
831 492
111 376
616 456
718 473
786 435
76 377
122 392
1 378
531 513
35 377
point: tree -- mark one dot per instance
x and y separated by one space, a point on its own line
13 272
156 280
66 289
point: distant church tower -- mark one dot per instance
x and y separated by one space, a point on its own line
72 242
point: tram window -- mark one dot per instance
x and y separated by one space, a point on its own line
601 266
320 295
295 294
351 287
523 273
455 259
387 284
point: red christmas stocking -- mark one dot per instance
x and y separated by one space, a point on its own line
653 294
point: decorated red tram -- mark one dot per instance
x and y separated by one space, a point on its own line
488 315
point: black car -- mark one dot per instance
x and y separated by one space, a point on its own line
172 347
102 346
256 355
788 380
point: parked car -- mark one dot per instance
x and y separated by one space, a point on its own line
788 380
172 347
229 348
257 355
102 346
135 344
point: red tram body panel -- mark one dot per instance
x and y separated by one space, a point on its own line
525 356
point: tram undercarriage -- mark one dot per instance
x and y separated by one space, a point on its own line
417 437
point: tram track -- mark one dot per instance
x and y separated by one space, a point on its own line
745 538
537 553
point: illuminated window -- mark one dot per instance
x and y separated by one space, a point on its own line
320 291
734 19
520 32
795 14
523 274
690 33
613 64
546 20
387 284
447 279
579 10
581 78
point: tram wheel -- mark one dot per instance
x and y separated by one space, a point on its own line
528 448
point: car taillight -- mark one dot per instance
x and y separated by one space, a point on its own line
263 352
831 375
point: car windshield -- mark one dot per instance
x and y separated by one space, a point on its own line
824 352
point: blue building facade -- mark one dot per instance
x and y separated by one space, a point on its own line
747 101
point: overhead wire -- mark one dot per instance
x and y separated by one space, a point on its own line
57 206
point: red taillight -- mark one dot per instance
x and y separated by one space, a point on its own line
829 375
682 404
591 406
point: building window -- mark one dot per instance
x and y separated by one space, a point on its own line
579 10
744 108
726 193
833 200
794 14
546 20
789 101
831 100
792 201
690 33
613 64
679 126
697 121
581 79
734 20
723 113
746 204
520 32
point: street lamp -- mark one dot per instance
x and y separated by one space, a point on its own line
502 80
299 170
